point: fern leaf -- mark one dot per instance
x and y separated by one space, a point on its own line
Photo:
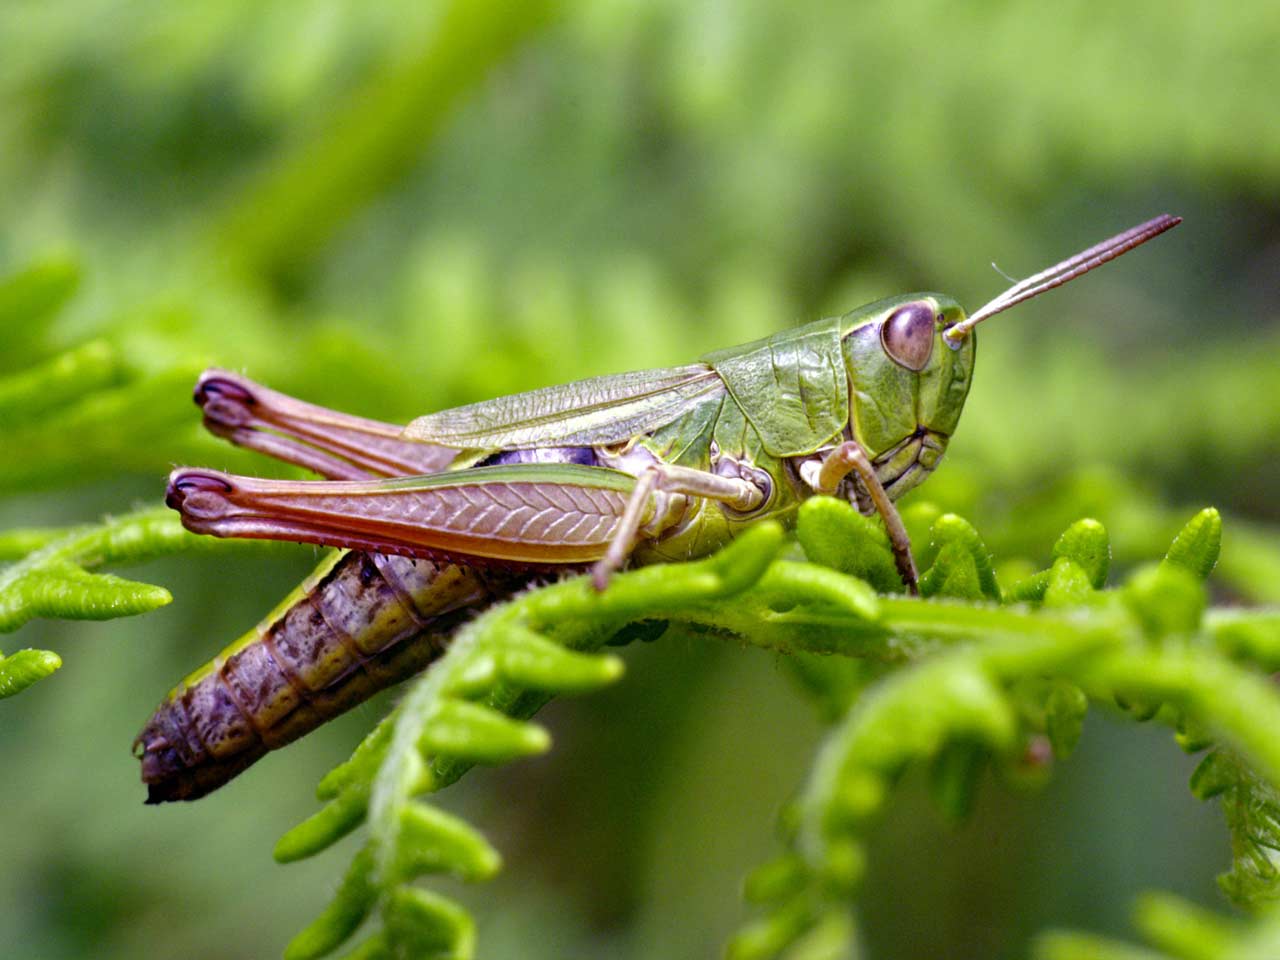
29 299
54 579
22 669
1148 642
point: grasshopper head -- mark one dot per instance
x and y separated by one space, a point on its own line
907 383
910 360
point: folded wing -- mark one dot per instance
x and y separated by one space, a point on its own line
600 410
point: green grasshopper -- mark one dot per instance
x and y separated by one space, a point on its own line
465 506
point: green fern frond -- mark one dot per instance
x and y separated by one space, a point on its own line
90 421
16 544
472 706
29 300
57 382
979 674
382 128
1179 931
1147 643
1251 806
72 412
22 669
54 578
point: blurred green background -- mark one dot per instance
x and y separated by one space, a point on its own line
400 207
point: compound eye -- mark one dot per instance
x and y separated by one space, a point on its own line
907 335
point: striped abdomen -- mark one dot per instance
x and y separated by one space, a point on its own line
359 624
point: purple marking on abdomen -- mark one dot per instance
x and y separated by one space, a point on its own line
583 456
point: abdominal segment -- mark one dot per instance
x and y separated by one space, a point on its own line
367 623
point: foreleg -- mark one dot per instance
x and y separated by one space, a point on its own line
849 457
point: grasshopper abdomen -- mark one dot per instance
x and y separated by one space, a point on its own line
351 630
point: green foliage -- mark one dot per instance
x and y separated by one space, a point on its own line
505 665
987 696
52 577
54 580
29 301
973 683
961 566
72 409
20 670
1252 808
373 137
394 208
1179 931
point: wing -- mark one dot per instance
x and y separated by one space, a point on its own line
599 410
524 514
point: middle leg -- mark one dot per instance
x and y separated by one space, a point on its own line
655 486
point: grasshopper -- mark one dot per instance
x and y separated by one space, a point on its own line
466 506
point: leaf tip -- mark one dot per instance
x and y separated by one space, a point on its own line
1198 544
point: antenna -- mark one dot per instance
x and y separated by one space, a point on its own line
1068 269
